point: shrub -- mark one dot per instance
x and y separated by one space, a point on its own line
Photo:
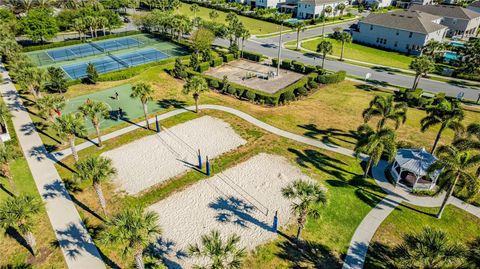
302 91
252 56
214 83
202 67
286 64
240 91
92 74
298 67
217 61
312 84
179 69
287 96
228 57
250 95
309 69
274 62
231 90
332 78
320 70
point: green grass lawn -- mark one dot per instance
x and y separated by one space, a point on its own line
460 226
13 254
255 26
365 54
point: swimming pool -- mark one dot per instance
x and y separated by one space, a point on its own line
450 56
457 44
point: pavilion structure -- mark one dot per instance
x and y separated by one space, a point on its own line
410 169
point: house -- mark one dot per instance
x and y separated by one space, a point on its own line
309 9
459 20
404 30
265 3
475 6
408 3
381 3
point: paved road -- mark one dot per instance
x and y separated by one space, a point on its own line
75 243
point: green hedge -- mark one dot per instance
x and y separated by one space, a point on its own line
274 62
332 78
286 64
228 57
202 67
217 61
252 56
298 67
310 68
75 42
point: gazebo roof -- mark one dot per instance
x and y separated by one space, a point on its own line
415 160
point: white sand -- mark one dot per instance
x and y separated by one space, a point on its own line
157 158
241 200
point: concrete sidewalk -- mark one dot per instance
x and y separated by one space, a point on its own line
76 244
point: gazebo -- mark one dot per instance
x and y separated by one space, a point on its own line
410 169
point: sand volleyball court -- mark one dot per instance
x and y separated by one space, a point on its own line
242 200
154 159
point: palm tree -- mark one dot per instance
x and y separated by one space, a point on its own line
89 22
8 154
432 47
4 114
299 27
96 112
32 79
307 196
328 10
447 114
343 38
69 126
213 15
386 109
19 212
421 65
144 92
375 144
194 8
195 85
220 254
324 47
244 34
473 255
102 23
455 165
428 249
340 7
134 229
79 26
96 169
49 106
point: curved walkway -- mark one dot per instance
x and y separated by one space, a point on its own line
363 234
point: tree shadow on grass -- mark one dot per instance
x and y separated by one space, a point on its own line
40 153
378 256
17 266
327 135
14 234
168 103
307 254
3 188
322 162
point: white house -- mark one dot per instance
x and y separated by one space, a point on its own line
404 30
265 3
381 3
308 9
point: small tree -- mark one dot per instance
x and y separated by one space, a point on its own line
375 144
340 7
324 47
96 169
194 61
421 65
50 106
69 126
195 85
213 15
92 74
299 27
386 109
39 25
179 69
202 40
428 249
343 38
33 79
56 80
8 154
144 92
328 10
19 213
194 8
96 112
134 229
306 197
219 254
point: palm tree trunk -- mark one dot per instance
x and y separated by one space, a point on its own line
437 138
32 243
99 137
415 81
369 165
343 49
8 174
195 97
71 141
101 198
298 39
145 112
447 196
301 223
139 260
323 60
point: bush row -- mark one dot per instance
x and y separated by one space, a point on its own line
75 42
296 66
332 78
252 56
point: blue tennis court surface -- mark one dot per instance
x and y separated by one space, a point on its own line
92 48
115 62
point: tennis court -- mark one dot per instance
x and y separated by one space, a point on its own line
131 108
114 62
92 48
